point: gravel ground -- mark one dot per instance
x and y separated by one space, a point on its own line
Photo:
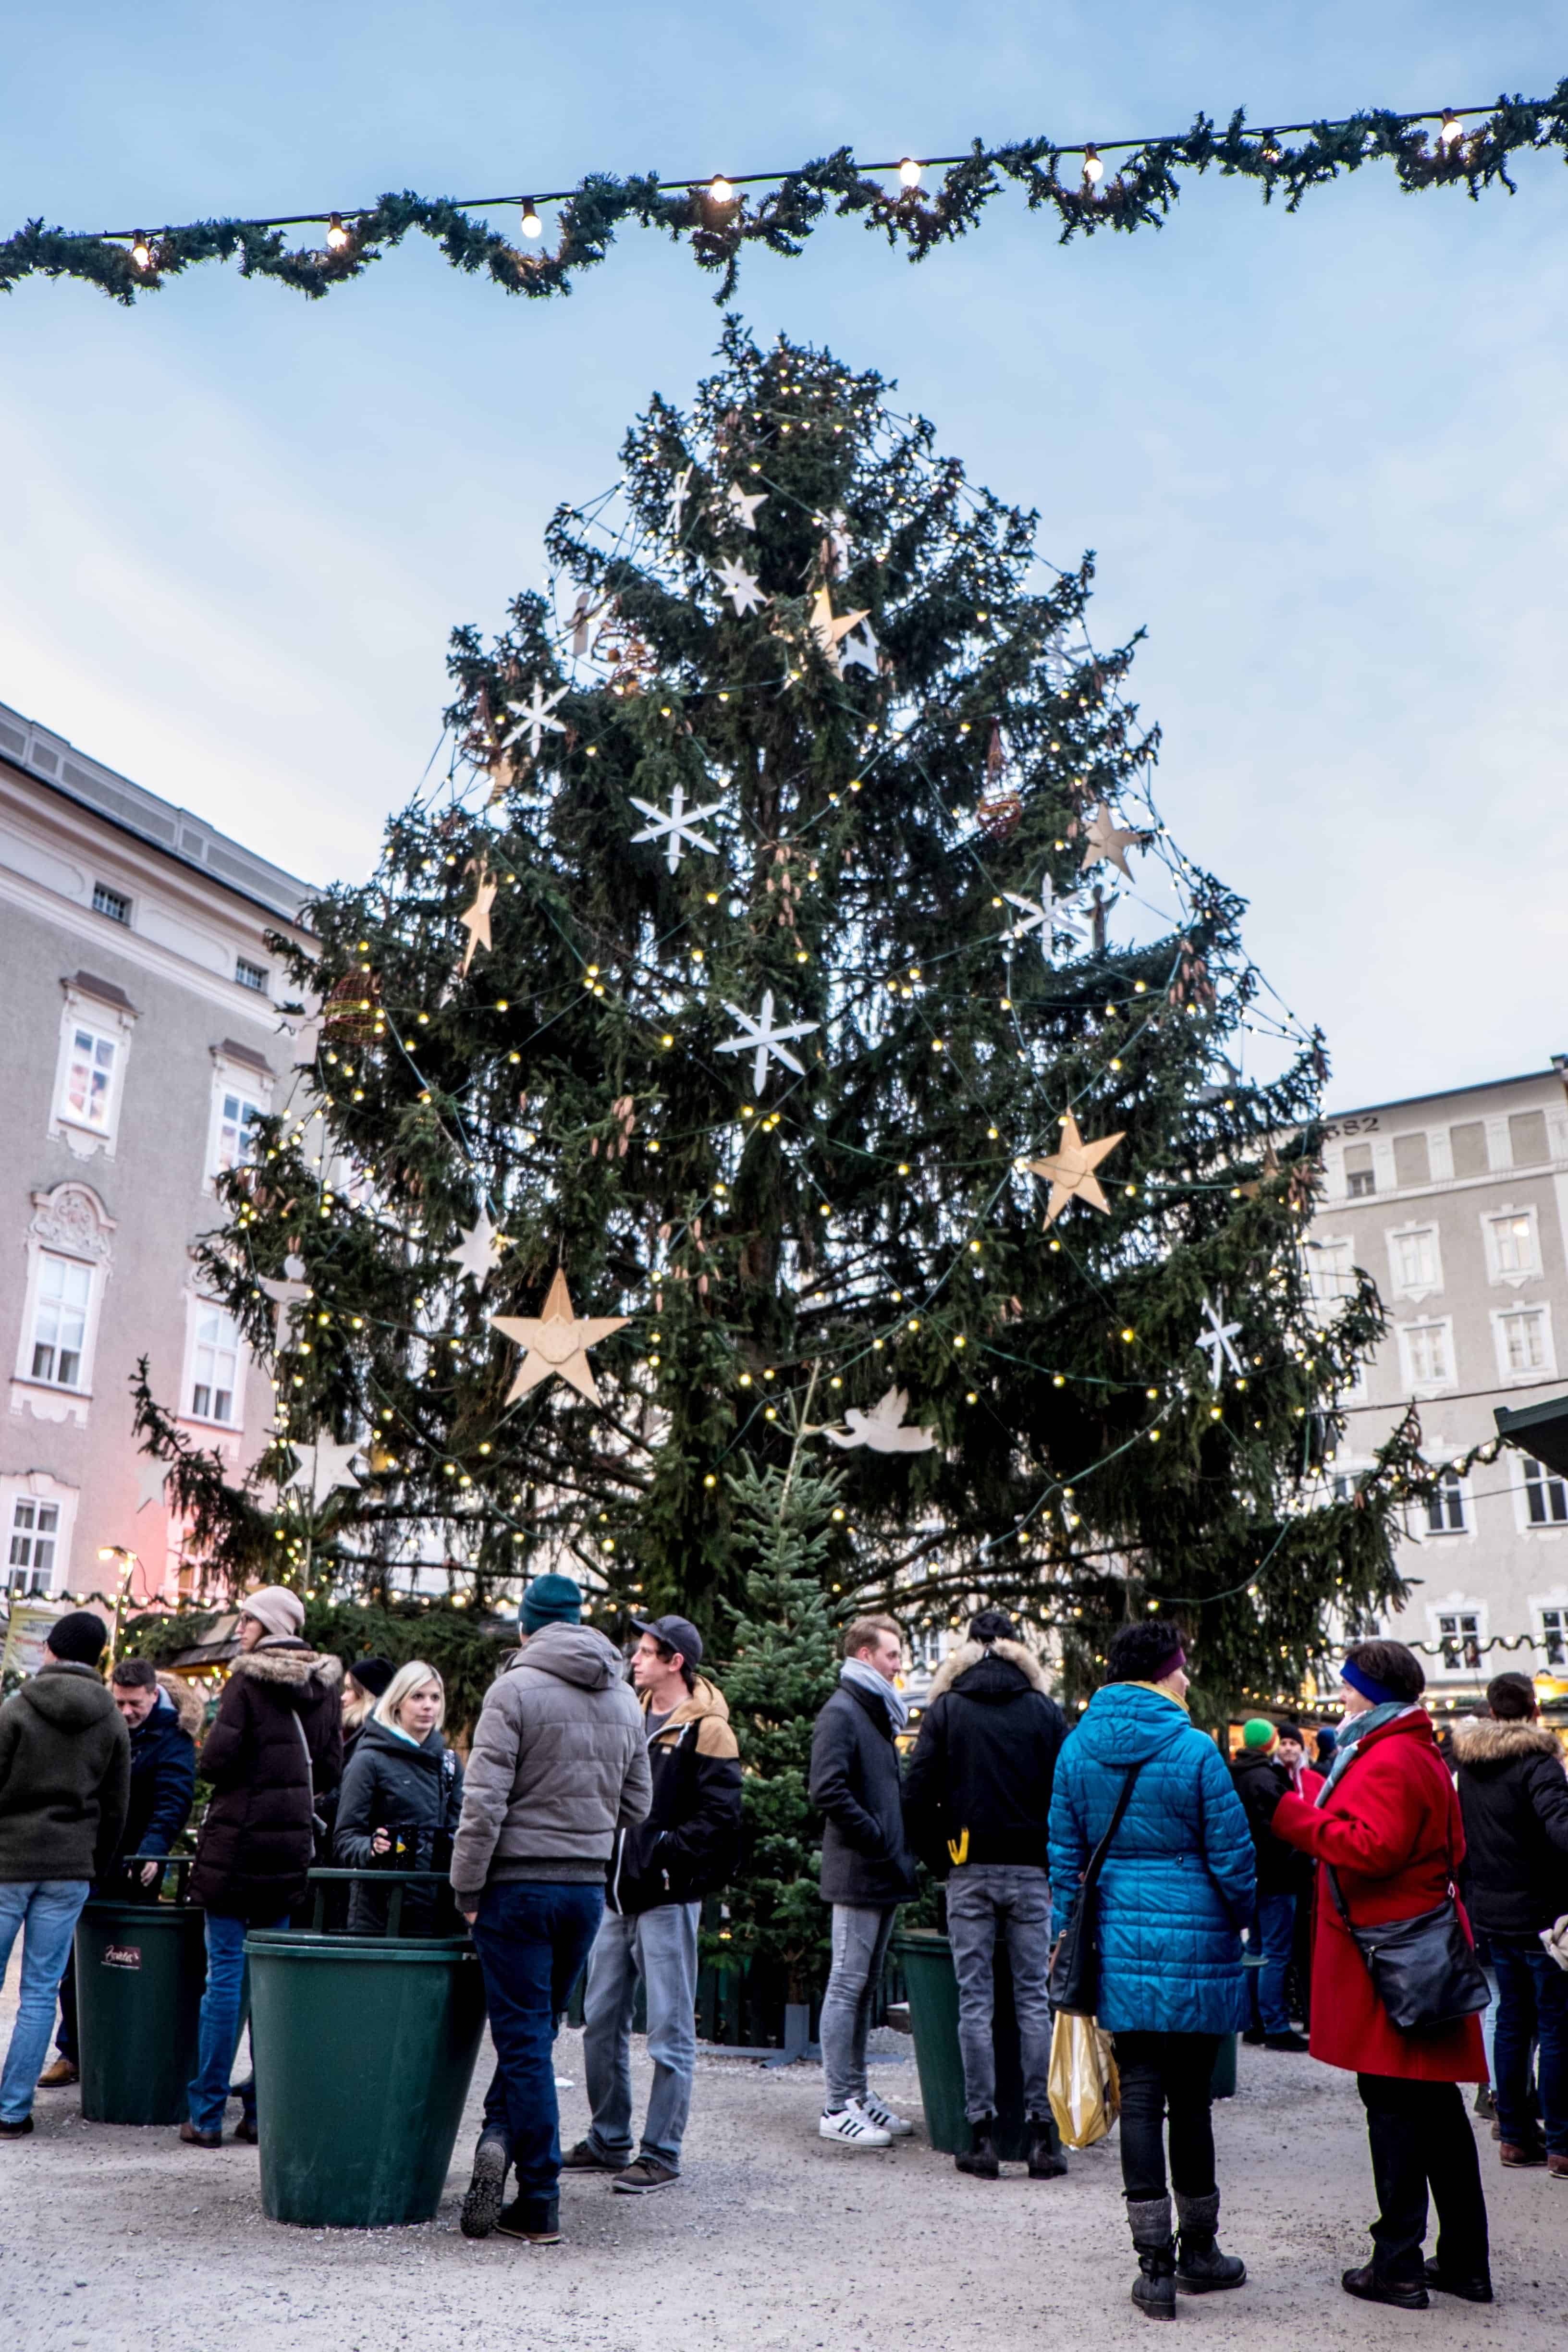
113 2237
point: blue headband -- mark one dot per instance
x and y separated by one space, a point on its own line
1380 1694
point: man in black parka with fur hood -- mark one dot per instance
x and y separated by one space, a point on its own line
977 1803
1513 1794
276 1746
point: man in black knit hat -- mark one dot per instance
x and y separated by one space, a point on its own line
65 1782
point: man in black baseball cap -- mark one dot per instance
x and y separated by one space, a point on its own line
660 1872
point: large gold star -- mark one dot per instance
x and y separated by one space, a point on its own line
476 919
1071 1170
1104 838
829 629
557 1341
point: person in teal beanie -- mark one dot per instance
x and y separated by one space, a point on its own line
1177 1888
550 1600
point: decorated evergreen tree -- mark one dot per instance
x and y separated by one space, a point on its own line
795 981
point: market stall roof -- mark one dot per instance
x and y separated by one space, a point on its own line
1538 1429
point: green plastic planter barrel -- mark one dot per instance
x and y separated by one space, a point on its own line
139 1970
926 1959
364 2050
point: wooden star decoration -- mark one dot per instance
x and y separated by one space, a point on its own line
150 1478
743 505
477 1248
476 919
322 1468
1104 838
830 629
1266 1175
556 1342
1070 1169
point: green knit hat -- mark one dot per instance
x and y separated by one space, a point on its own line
1259 1737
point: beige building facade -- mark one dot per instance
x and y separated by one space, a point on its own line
1458 1205
142 1035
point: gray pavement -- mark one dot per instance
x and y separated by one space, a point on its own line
117 2237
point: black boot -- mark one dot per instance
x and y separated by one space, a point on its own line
482 2204
1047 2161
981 2159
1154 2288
1202 2267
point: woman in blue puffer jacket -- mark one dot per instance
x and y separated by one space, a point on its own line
1175 1891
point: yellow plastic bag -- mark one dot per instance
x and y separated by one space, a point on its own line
1085 2092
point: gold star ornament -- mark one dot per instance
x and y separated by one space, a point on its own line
1070 1171
1104 838
557 1342
830 628
476 919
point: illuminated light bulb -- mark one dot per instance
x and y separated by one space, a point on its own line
1451 129
141 251
1093 169
910 172
532 224
337 235
719 189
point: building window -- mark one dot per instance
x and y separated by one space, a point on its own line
1358 1178
1527 1137
215 1364
1545 1497
1415 1258
251 975
112 903
1460 1639
1428 1354
35 1537
1468 1146
1412 1164
59 1320
88 1098
1554 1636
236 1120
1511 1237
1329 1273
1446 1508
1524 1342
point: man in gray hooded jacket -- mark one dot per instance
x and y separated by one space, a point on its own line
559 1763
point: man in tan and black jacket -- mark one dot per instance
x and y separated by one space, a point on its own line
559 1765
662 1868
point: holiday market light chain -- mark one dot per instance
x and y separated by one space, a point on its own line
712 210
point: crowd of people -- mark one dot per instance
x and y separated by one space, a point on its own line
596 1813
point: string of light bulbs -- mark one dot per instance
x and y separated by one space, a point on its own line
719 214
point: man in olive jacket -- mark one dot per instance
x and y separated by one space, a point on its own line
558 1765
867 1868
65 1782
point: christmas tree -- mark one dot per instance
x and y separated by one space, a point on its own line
794 984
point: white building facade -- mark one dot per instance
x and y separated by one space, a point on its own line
141 1038
1458 1205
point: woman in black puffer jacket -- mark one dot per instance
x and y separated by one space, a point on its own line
399 1804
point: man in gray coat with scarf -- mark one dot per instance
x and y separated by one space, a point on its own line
867 1869
558 1765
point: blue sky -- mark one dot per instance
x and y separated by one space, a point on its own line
1323 460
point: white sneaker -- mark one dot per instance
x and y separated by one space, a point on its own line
882 2116
853 2127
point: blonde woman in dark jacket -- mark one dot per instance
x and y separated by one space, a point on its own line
399 1804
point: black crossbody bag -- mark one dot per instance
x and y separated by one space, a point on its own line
1074 1983
1423 1970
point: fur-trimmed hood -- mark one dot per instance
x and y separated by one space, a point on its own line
276 1661
187 1704
1478 1739
957 1663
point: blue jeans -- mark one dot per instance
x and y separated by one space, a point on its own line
217 2035
1532 2006
1277 1931
46 1911
1012 1899
861 1934
661 1947
532 1936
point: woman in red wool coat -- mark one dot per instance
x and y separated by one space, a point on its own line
1388 1823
